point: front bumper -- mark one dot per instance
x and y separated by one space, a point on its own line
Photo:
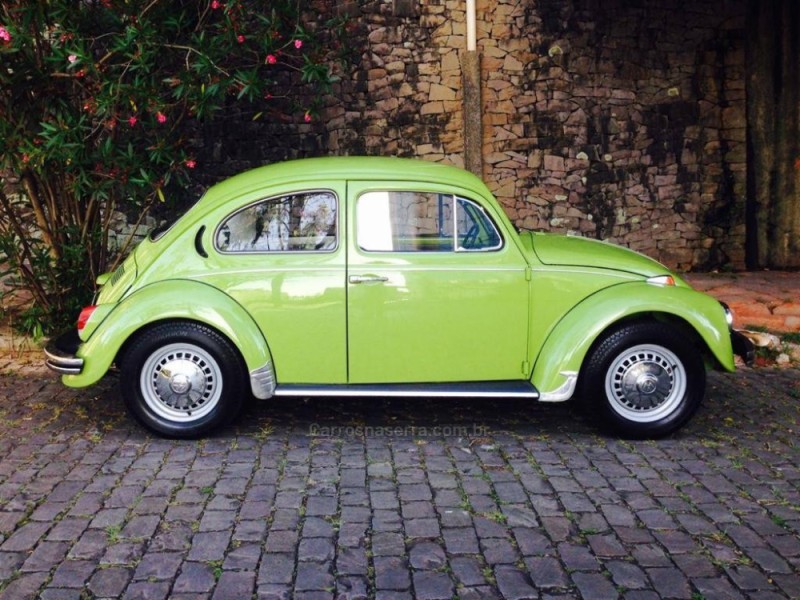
742 346
61 351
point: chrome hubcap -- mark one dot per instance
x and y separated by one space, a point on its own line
645 383
181 382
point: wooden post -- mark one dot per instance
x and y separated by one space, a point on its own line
473 122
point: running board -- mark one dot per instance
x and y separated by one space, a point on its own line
482 389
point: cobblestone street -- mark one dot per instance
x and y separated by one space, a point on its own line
399 499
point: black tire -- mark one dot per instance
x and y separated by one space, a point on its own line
645 380
204 388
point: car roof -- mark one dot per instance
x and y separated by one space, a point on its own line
353 168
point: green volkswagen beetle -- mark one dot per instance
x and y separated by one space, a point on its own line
359 276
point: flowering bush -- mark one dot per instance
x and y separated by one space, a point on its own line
95 97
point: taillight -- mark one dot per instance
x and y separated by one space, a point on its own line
83 318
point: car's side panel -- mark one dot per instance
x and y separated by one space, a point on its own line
435 316
299 304
296 299
171 299
568 343
555 292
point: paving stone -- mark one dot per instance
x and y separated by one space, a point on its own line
158 566
461 540
547 572
45 556
276 568
520 516
391 573
478 593
122 553
109 583
669 582
427 556
68 530
431 585
749 578
578 558
593 586
352 588
315 549
60 594
23 587
148 590
352 561
499 551
627 575
25 538
388 544
422 528
209 546
244 557
468 571
770 561
513 583
234 585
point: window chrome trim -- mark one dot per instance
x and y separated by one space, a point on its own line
488 217
230 215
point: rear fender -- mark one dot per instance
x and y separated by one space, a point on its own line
166 301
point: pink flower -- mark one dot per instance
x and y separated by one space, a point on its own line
215 5
298 44
271 59
4 34
132 121
72 58
307 117
26 158
190 164
161 117
240 39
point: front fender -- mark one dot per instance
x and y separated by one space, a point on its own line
163 301
566 346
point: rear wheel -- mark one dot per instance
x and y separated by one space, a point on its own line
182 379
645 379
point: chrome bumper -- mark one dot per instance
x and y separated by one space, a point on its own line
60 354
742 346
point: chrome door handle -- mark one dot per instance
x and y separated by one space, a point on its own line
367 279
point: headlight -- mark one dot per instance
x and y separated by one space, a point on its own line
662 280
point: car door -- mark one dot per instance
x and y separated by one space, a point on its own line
280 255
433 295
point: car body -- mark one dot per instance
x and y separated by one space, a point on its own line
356 276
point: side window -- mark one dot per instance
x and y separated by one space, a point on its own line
476 231
303 222
404 222
422 222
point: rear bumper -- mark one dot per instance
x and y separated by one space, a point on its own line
60 354
742 346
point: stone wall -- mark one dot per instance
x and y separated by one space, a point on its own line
615 119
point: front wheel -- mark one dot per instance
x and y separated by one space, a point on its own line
645 379
182 379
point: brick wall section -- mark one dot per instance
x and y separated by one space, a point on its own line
405 96
616 119
628 123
